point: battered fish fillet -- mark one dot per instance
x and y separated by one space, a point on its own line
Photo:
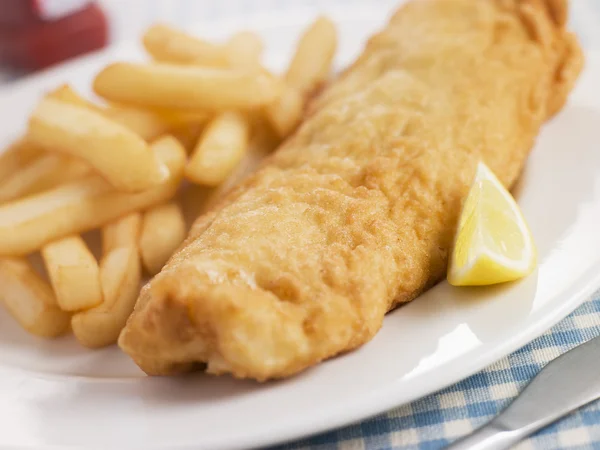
355 213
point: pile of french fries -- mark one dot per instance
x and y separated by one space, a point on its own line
171 137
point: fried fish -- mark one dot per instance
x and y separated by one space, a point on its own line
356 212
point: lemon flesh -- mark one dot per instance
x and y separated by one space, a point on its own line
493 243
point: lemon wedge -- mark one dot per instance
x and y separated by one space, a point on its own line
493 243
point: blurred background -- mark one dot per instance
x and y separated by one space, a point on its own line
35 34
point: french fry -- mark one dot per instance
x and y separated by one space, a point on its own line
73 272
286 113
186 87
311 63
45 172
65 93
176 118
27 225
197 200
118 154
309 68
30 300
120 276
163 231
244 50
219 150
123 232
261 145
167 44
146 124
18 154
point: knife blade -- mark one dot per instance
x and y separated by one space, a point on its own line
565 384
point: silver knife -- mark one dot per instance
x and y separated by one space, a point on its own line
563 385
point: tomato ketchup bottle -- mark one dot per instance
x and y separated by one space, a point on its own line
35 34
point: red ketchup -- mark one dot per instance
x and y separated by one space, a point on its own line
35 34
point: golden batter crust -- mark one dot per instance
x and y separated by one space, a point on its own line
356 212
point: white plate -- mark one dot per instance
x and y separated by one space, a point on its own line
58 395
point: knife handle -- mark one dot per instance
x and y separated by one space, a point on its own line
488 437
